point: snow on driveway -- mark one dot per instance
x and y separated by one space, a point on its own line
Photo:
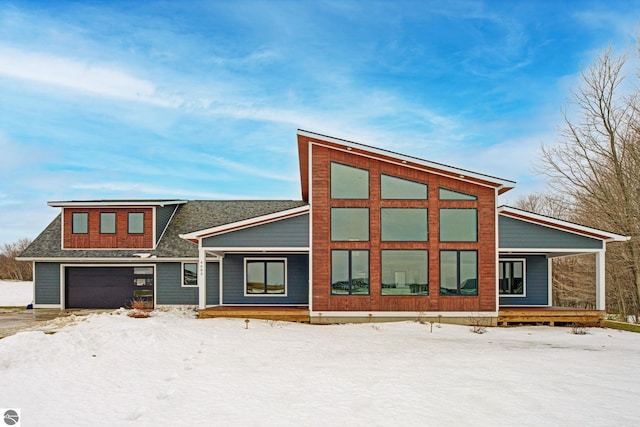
171 369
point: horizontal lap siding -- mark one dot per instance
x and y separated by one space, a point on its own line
537 282
163 215
169 289
46 277
322 245
213 283
285 233
297 280
516 233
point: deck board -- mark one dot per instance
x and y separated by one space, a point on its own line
550 315
288 314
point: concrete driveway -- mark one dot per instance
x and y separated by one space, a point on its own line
16 320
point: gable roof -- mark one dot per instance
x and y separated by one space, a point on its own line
306 138
191 216
561 225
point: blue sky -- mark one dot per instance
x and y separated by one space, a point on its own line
202 99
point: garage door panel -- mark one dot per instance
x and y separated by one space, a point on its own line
99 287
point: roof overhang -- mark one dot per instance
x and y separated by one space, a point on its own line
251 222
562 225
113 203
306 138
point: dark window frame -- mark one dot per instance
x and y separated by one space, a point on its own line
440 228
331 181
382 197
73 222
184 276
501 268
458 287
265 262
472 197
129 214
426 237
350 283
331 230
115 223
382 286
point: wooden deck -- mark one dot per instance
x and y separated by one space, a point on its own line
287 314
549 315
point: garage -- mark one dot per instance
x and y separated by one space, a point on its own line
107 287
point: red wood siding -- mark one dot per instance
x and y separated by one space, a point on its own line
322 245
120 240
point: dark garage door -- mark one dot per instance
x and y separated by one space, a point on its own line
100 287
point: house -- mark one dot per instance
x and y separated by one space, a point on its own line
377 234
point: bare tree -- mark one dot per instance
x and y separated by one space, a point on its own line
544 204
12 269
596 164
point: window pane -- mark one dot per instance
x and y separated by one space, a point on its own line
468 273
360 272
80 221
454 195
190 274
404 225
107 223
349 224
339 272
398 188
448 272
136 222
348 182
255 278
458 225
275 277
405 272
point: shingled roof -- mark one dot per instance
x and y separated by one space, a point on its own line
192 216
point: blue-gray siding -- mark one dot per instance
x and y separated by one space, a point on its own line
536 282
285 233
169 289
297 281
46 277
213 283
514 233
163 215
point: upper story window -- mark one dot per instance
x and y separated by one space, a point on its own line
348 182
392 187
350 224
135 223
445 194
404 225
265 276
107 222
512 277
458 225
80 223
459 273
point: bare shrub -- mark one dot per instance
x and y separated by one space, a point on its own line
479 324
579 329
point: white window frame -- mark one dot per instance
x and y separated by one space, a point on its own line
524 278
182 274
244 282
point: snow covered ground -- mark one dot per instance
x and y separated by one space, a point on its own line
171 369
15 294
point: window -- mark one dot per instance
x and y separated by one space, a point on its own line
398 188
79 223
107 223
348 182
265 276
404 224
143 282
458 225
136 223
458 273
512 277
350 224
189 274
405 272
454 195
349 272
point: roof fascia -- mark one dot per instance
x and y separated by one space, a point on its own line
383 155
247 223
561 225
112 203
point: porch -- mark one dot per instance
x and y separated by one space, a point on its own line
549 315
298 314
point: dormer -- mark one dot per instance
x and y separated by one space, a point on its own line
114 224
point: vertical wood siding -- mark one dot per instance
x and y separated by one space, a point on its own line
46 278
